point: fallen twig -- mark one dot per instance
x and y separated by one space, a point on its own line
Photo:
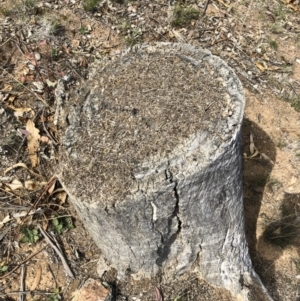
37 278
58 251
205 7
158 295
48 134
45 189
36 95
21 297
15 268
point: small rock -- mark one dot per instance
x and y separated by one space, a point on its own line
92 290
37 56
39 85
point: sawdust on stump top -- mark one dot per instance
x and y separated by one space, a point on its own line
144 106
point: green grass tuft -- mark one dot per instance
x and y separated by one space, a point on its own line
182 16
90 5
285 231
273 45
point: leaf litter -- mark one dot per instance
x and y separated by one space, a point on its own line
34 60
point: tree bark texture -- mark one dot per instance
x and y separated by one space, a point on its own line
184 210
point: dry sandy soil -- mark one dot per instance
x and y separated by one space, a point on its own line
43 41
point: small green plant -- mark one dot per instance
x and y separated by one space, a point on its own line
281 144
280 12
5 11
89 5
59 224
3 268
134 38
285 231
124 25
54 53
56 27
182 16
29 3
260 181
276 28
296 104
55 296
19 86
30 236
297 39
294 101
274 184
297 263
83 30
273 45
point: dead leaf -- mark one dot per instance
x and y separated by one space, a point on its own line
51 188
24 132
28 55
15 184
11 98
76 43
25 70
14 166
223 3
44 139
61 195
267 158
83 62
44 42
37 277
260 66
33 185
20 164
179 37
4 97
252 145
255 153
19 111
33 142
266 57
50 83
5 220
293 7
7 88
158 295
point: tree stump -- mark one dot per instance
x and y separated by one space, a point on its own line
151 160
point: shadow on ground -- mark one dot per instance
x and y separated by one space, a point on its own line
256 173
279 233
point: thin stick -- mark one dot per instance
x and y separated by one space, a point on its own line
48 134
29 257
58 252
205 7
27 292
21 297
36 95
54 279
45 189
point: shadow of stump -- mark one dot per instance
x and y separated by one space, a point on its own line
256 172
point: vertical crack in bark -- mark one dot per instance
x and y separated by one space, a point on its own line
164 250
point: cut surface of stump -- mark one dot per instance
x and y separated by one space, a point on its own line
151 160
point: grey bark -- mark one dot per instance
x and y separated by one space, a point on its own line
184 211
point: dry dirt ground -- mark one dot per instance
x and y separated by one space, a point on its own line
43 41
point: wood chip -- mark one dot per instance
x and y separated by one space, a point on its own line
37 278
